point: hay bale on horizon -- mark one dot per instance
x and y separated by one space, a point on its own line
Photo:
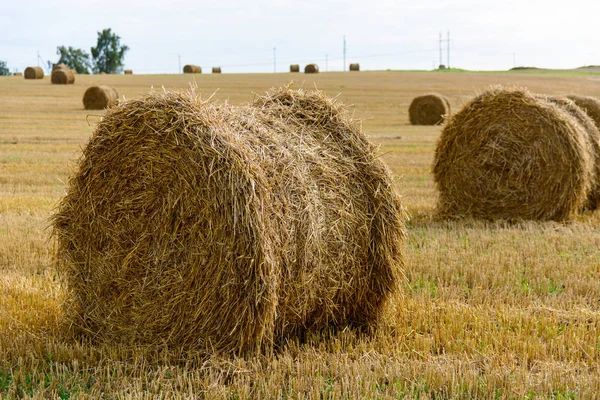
294 68
192 69
100 97
590 105
18 74
128 72
311 69
429 109
62 76
511 155
59 66
34 73
216 70
223 228
354 67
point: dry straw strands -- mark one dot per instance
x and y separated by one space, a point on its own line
62 76
216 70
511 155
311 69
34 73
429 109
192 69
100 97
128 72
223 228
294 68
590 105
354 67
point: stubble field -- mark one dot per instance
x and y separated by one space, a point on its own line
487 310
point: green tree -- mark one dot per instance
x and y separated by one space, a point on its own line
108 54
4 69
75 59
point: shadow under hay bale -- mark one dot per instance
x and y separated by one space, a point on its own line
192 69
590 105
34 73
62 76
429 109
311 69
223 228
510 155
354 67
216 70
100 97
294 68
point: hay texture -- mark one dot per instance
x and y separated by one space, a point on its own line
216 70
429 109
100 97
294 68
311 69
34 73
590 105
59 66
192 69
354 67
62 76
511 155
128 72
223 228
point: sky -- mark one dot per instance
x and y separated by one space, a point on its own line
268 35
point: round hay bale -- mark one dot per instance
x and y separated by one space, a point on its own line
441 66
223 228
192 69
59 66
128 72
18 74
510 155
355 67
100 97
216 70
294 68
429 109
590 105
311 69
62 76
593 141
34 73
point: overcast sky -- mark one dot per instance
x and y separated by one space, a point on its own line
239 35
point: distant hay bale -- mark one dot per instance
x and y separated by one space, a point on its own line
62 76
441 66
18 74
100 97
216 70
294 68
311 69
224 228
355 67
34 73
192 69
510 155
59 66
590 105
429 109
128 72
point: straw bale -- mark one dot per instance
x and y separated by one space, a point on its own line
311 69
59 66
100 97
223 228
294 68
216 70
128 72
429 109
62 76
18 74
34 73
354 67
511 155
590 105
192 69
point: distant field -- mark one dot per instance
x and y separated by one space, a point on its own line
488 310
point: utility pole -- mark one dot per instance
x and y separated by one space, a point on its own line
274 59
440 49
38 58
179 57
344 52
448 43
326 63
514 63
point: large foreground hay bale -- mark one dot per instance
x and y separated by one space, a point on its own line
128 72
311 69
100 97
192 69
62 76
294 68
429 109
34 73
510 155
590 105
354 67
216 70
223 228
